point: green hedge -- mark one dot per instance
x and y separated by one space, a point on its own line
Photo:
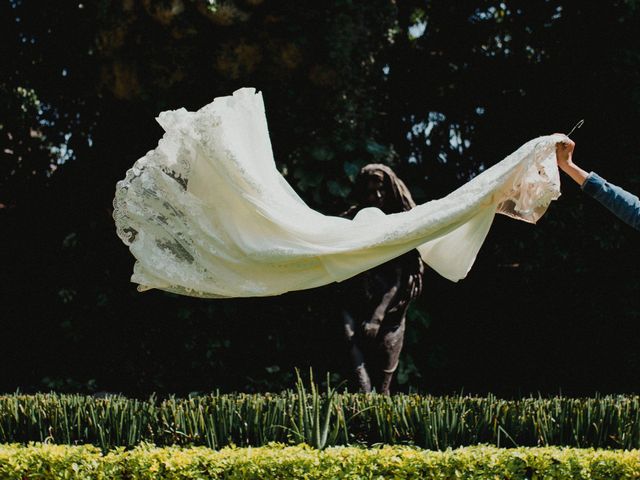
305 416
47 461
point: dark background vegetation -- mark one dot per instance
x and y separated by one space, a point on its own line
439 90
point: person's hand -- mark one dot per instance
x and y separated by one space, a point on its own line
564 153
564 157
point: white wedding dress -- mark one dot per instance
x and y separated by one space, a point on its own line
207 214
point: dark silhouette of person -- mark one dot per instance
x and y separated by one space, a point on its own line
373 304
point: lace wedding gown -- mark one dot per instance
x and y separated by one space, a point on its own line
207 214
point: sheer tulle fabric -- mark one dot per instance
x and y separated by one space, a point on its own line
207 214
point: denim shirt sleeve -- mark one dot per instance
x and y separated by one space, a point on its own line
622 203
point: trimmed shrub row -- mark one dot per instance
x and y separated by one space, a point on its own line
321 420
282 463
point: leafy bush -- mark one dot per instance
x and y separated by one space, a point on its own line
279 462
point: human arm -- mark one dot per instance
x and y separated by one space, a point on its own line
564 157
621 203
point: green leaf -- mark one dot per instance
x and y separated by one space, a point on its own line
338 189
322 154
351 170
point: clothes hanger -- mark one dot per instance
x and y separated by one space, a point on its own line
575 127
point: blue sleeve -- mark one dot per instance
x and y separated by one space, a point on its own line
622 203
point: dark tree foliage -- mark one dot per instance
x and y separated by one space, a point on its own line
438 90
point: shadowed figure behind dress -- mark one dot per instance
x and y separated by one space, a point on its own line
374 303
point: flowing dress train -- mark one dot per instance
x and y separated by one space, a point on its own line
206 213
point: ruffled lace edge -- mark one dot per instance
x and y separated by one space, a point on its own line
535 185
178 124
